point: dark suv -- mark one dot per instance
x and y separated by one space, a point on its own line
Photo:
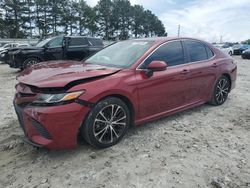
55 48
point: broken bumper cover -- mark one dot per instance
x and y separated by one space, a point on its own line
54 127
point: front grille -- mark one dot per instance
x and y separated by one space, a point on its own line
20 94
41 130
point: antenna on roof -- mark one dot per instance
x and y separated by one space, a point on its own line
179 30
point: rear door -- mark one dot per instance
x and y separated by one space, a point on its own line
203 68
165 90
77 48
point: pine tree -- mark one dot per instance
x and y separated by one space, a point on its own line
104 11
28 17
111 19
137 20
122 18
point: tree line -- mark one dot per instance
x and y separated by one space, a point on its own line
110 19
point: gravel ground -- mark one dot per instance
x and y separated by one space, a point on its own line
203 147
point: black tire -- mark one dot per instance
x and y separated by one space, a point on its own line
221 91
230 53
30 61
105 125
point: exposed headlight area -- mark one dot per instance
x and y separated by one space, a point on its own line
57 99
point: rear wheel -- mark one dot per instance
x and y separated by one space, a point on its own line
30 61
107 123
221 90
230 53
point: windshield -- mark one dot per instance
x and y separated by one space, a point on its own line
43 42
6 46
236 46
218 45
121 54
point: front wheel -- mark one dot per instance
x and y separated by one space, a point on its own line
221 91
107 123
30 61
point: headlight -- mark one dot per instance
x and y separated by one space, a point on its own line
3 51
57 98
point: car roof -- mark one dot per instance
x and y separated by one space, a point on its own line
83 37
165 39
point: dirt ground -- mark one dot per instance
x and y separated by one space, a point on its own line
203 147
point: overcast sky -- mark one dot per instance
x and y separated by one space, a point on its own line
205 19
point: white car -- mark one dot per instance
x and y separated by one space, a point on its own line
225 48
4 49
12 45
9 45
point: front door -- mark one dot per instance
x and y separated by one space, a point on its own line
165 90
54 50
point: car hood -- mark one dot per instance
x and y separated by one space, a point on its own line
59 74
25 48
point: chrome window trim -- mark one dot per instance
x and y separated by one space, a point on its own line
178 40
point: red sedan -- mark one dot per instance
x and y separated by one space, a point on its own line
128 83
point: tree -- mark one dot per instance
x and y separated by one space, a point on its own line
13 17
1 21
111 19
137 20
246 42
104 12
122 18
69 17
28 17
43 19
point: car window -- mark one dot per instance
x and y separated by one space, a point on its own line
95 42
225 46
78 41
57 42
171 53
210 53
196 50
7 46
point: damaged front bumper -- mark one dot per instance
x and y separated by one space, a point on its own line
54 127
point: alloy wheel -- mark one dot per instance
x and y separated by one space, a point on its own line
110 124
222 90
31 62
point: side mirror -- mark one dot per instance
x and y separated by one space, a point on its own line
46 46
157 66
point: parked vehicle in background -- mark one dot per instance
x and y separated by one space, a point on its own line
8 45
226 48
246 54
128 83
55 48
4 50
2 44
239 48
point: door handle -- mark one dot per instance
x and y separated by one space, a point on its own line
214 65
185 71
